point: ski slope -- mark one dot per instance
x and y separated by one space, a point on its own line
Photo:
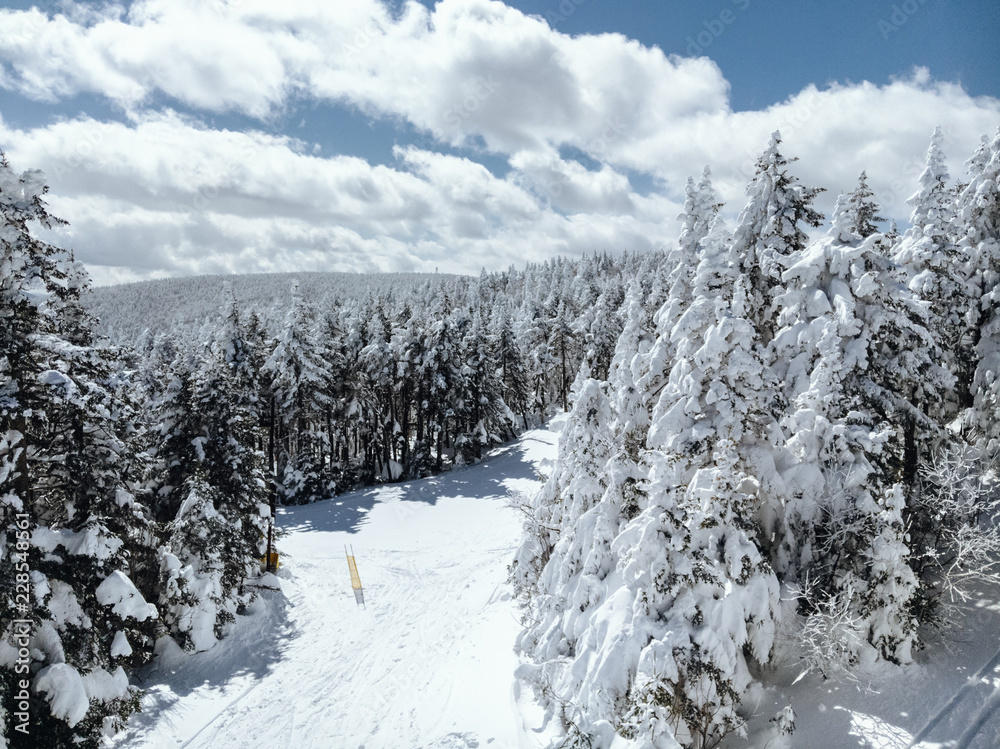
428 664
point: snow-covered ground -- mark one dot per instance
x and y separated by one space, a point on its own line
949 698
429 662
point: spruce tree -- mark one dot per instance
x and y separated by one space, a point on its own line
863 367
708 440
299 387
514 381
770 232
862 208
978 224
937 270
226 397
68 513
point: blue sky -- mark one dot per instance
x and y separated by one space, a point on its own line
772 49
189 136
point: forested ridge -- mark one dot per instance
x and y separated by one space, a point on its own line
751 412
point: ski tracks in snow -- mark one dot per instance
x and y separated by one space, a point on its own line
982 689
428 665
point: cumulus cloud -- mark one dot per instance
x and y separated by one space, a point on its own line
168 194
160 193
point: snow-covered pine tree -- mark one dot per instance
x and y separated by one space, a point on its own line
659 649
67 540
198 597
937 270
440 373
859 360
862 208
514 382
701 206
226 398
978 224
555 569
408 342
769 234
488 420
707 597
175 433
561 345
298 385
534 330
628 376
378 371
603 330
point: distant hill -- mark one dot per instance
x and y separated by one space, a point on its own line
125 310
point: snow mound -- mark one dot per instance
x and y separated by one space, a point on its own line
118 591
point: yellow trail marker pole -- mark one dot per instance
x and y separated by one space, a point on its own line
359 594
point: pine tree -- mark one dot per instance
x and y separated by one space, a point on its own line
68 514
862 208
862 364
978 224
693 554
937 271
701 208
769 234
555 569
226 397
176 434
602 332
199 596
298 384
561 343
488 420
629 378
514 382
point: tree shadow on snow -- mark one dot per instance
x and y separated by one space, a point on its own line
492 477
254 643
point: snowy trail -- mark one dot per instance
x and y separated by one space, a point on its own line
420 667
973 686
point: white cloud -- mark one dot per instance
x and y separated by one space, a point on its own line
166 194
162 193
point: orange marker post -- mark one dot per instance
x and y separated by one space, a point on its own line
359 594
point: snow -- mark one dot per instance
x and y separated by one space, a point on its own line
93 541
64 607
54 378
104 686
429 663
952 688
118 591
65 691
120 646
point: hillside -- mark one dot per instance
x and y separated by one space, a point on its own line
126 310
